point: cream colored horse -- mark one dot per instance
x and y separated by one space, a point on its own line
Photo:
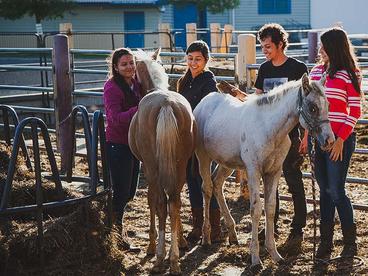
253 136
162 135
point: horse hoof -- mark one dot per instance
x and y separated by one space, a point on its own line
157 269
175 270
282 261
206 242
256 268
233 242
151 250
183 244
206 246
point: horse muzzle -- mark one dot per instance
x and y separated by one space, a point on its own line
325 142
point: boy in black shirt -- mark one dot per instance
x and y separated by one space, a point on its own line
277 70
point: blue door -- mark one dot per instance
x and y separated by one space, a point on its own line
182 15
134 22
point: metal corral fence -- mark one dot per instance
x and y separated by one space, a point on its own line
93 137
65 68
88 40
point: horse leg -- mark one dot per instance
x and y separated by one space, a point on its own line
244 184
207 185
270 187
255 211
161 250
183 244
174 209
218 182
152 202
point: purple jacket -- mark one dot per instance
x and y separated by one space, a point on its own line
118 112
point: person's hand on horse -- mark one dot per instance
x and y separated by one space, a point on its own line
303 148
336 150
228 88
240 95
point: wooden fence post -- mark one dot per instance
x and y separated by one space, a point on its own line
226 39
62 98
215 29
66 28
312 46
164 36
191 29
246 55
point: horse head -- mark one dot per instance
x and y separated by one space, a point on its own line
151 74
313 111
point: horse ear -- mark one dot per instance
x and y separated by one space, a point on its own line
305 84
156 54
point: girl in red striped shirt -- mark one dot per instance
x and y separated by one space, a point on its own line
338 63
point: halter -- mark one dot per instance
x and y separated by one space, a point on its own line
313 125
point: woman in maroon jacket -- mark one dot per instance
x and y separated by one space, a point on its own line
122 93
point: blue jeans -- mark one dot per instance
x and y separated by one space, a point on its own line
294 180
331 176
124 169
194 181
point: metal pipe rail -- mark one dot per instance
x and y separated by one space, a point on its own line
171 76
255 66
26 88
7 112
349 179
34 109
83 113
26 50
162 54
362 207
84 93
25 68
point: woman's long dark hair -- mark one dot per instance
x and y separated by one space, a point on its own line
341 54
195 46
112 61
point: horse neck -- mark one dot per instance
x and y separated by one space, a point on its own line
283 115
148 86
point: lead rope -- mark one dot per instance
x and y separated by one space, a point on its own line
312 160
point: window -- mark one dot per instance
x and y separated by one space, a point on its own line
274 6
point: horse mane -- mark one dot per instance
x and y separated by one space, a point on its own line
276 93
156 71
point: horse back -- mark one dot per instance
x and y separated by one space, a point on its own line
162 135
219 122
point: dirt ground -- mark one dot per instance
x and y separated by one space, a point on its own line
76 248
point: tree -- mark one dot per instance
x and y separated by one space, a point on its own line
40 9
214 6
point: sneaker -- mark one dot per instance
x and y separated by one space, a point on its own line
127 246
126 243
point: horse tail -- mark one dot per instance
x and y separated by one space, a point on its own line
166 151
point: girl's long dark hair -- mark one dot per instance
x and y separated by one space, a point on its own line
341 54
195 46
113 60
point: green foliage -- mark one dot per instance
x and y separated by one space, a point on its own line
40 9
214 6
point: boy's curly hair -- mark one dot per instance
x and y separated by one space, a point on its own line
276 32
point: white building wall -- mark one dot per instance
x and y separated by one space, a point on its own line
248 18
351 14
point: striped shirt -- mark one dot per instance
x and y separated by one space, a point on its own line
345 105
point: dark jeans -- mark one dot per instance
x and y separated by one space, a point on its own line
331 176
194 181
124 169
293 176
